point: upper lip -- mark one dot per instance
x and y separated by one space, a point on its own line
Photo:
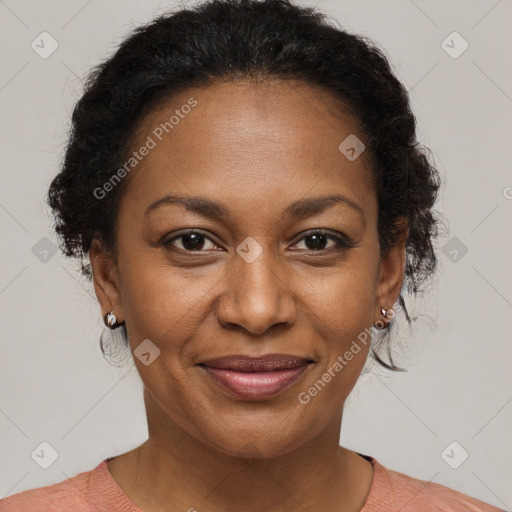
266 363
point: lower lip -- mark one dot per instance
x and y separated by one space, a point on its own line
254 385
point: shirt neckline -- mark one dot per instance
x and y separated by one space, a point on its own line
102 480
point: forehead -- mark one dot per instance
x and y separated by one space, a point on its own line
268 141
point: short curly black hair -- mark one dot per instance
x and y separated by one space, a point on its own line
222 40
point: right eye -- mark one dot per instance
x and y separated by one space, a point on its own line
190 241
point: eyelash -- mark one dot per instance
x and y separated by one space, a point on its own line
341 242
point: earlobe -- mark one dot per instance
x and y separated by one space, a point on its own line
105 280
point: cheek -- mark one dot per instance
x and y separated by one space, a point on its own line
343 297
166 304
341 309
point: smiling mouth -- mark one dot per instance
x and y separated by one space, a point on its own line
253 378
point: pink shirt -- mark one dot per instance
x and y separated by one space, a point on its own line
96 490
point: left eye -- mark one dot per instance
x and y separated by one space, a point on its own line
318 239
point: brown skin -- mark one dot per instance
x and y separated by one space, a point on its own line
255 148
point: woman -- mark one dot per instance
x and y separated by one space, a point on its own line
246 182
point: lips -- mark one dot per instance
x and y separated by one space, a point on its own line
255 378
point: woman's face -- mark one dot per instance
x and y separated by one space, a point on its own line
254 280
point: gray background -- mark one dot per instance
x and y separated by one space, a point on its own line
55 385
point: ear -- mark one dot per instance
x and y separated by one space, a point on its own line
106 281
392 271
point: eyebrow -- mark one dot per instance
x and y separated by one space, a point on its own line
298 209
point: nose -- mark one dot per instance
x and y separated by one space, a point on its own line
257 295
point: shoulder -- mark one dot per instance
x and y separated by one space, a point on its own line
397 491
71 494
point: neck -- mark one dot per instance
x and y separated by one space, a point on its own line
173 468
